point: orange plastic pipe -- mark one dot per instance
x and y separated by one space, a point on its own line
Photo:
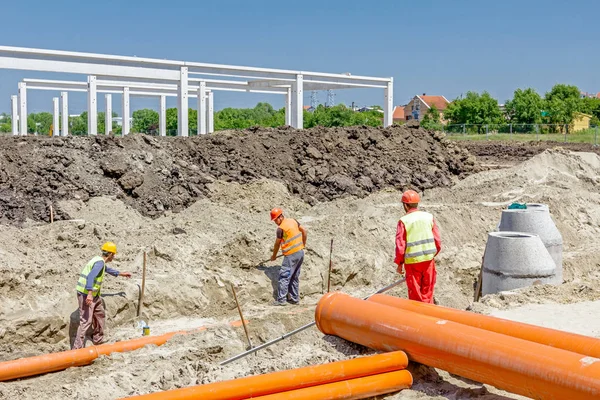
43 364
512 364
359 388
581 344
282 381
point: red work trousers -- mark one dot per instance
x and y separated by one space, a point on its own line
420 280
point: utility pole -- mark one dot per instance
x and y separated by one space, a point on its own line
330 98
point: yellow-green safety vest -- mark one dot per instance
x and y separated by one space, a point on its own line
420 243
84 274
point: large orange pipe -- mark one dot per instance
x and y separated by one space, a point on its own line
550 337
43 364
275 382
516 365
360 388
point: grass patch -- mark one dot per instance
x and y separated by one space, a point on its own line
579 137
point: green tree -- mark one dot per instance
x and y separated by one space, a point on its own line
78 125
171 117
39 122
432 120
474 108
525 107
591 106
145 121
562 102
5 123
340 115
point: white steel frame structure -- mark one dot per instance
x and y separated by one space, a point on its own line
128 89
180 74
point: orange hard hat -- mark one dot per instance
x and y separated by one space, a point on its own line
276 212
410 197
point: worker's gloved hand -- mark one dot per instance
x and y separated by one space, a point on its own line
89 299
125 274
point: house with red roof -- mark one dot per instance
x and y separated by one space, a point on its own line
420 105
398 115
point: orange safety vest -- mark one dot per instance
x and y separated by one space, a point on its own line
292 237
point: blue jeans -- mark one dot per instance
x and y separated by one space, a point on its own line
289 277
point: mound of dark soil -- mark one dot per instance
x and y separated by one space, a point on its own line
156 174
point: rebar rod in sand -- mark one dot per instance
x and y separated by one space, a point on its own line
241 315
139 310
302 328
329 275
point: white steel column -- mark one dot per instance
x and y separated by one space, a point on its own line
288 107
388 104
162 116
56 117
125 117
64 96
210 113
201 108
14 103
92 106
182 104
108 114
298 102
22 108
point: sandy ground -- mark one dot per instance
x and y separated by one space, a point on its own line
196 254
581 318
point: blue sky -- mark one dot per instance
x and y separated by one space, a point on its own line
434 47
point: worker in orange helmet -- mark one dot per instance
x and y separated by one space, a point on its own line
417 243
291 238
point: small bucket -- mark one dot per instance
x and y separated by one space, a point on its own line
146 331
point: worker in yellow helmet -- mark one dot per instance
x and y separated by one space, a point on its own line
91 309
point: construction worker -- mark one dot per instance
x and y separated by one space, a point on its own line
291 238
417 243
91 309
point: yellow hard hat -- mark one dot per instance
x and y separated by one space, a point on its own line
109 247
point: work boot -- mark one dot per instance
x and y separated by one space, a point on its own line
279 303
294 302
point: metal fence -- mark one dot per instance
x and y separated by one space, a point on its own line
524 132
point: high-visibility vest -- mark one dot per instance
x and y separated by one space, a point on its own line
292 237
84 274
420 243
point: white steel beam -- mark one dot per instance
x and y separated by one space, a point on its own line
64 97
162 116
388 104
140 93
23 108
117 86
57 88
14 105
108 114
288 107
210 113
298 103
86 68
183 104
126 112
92 106
112 65
55 117
202 108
